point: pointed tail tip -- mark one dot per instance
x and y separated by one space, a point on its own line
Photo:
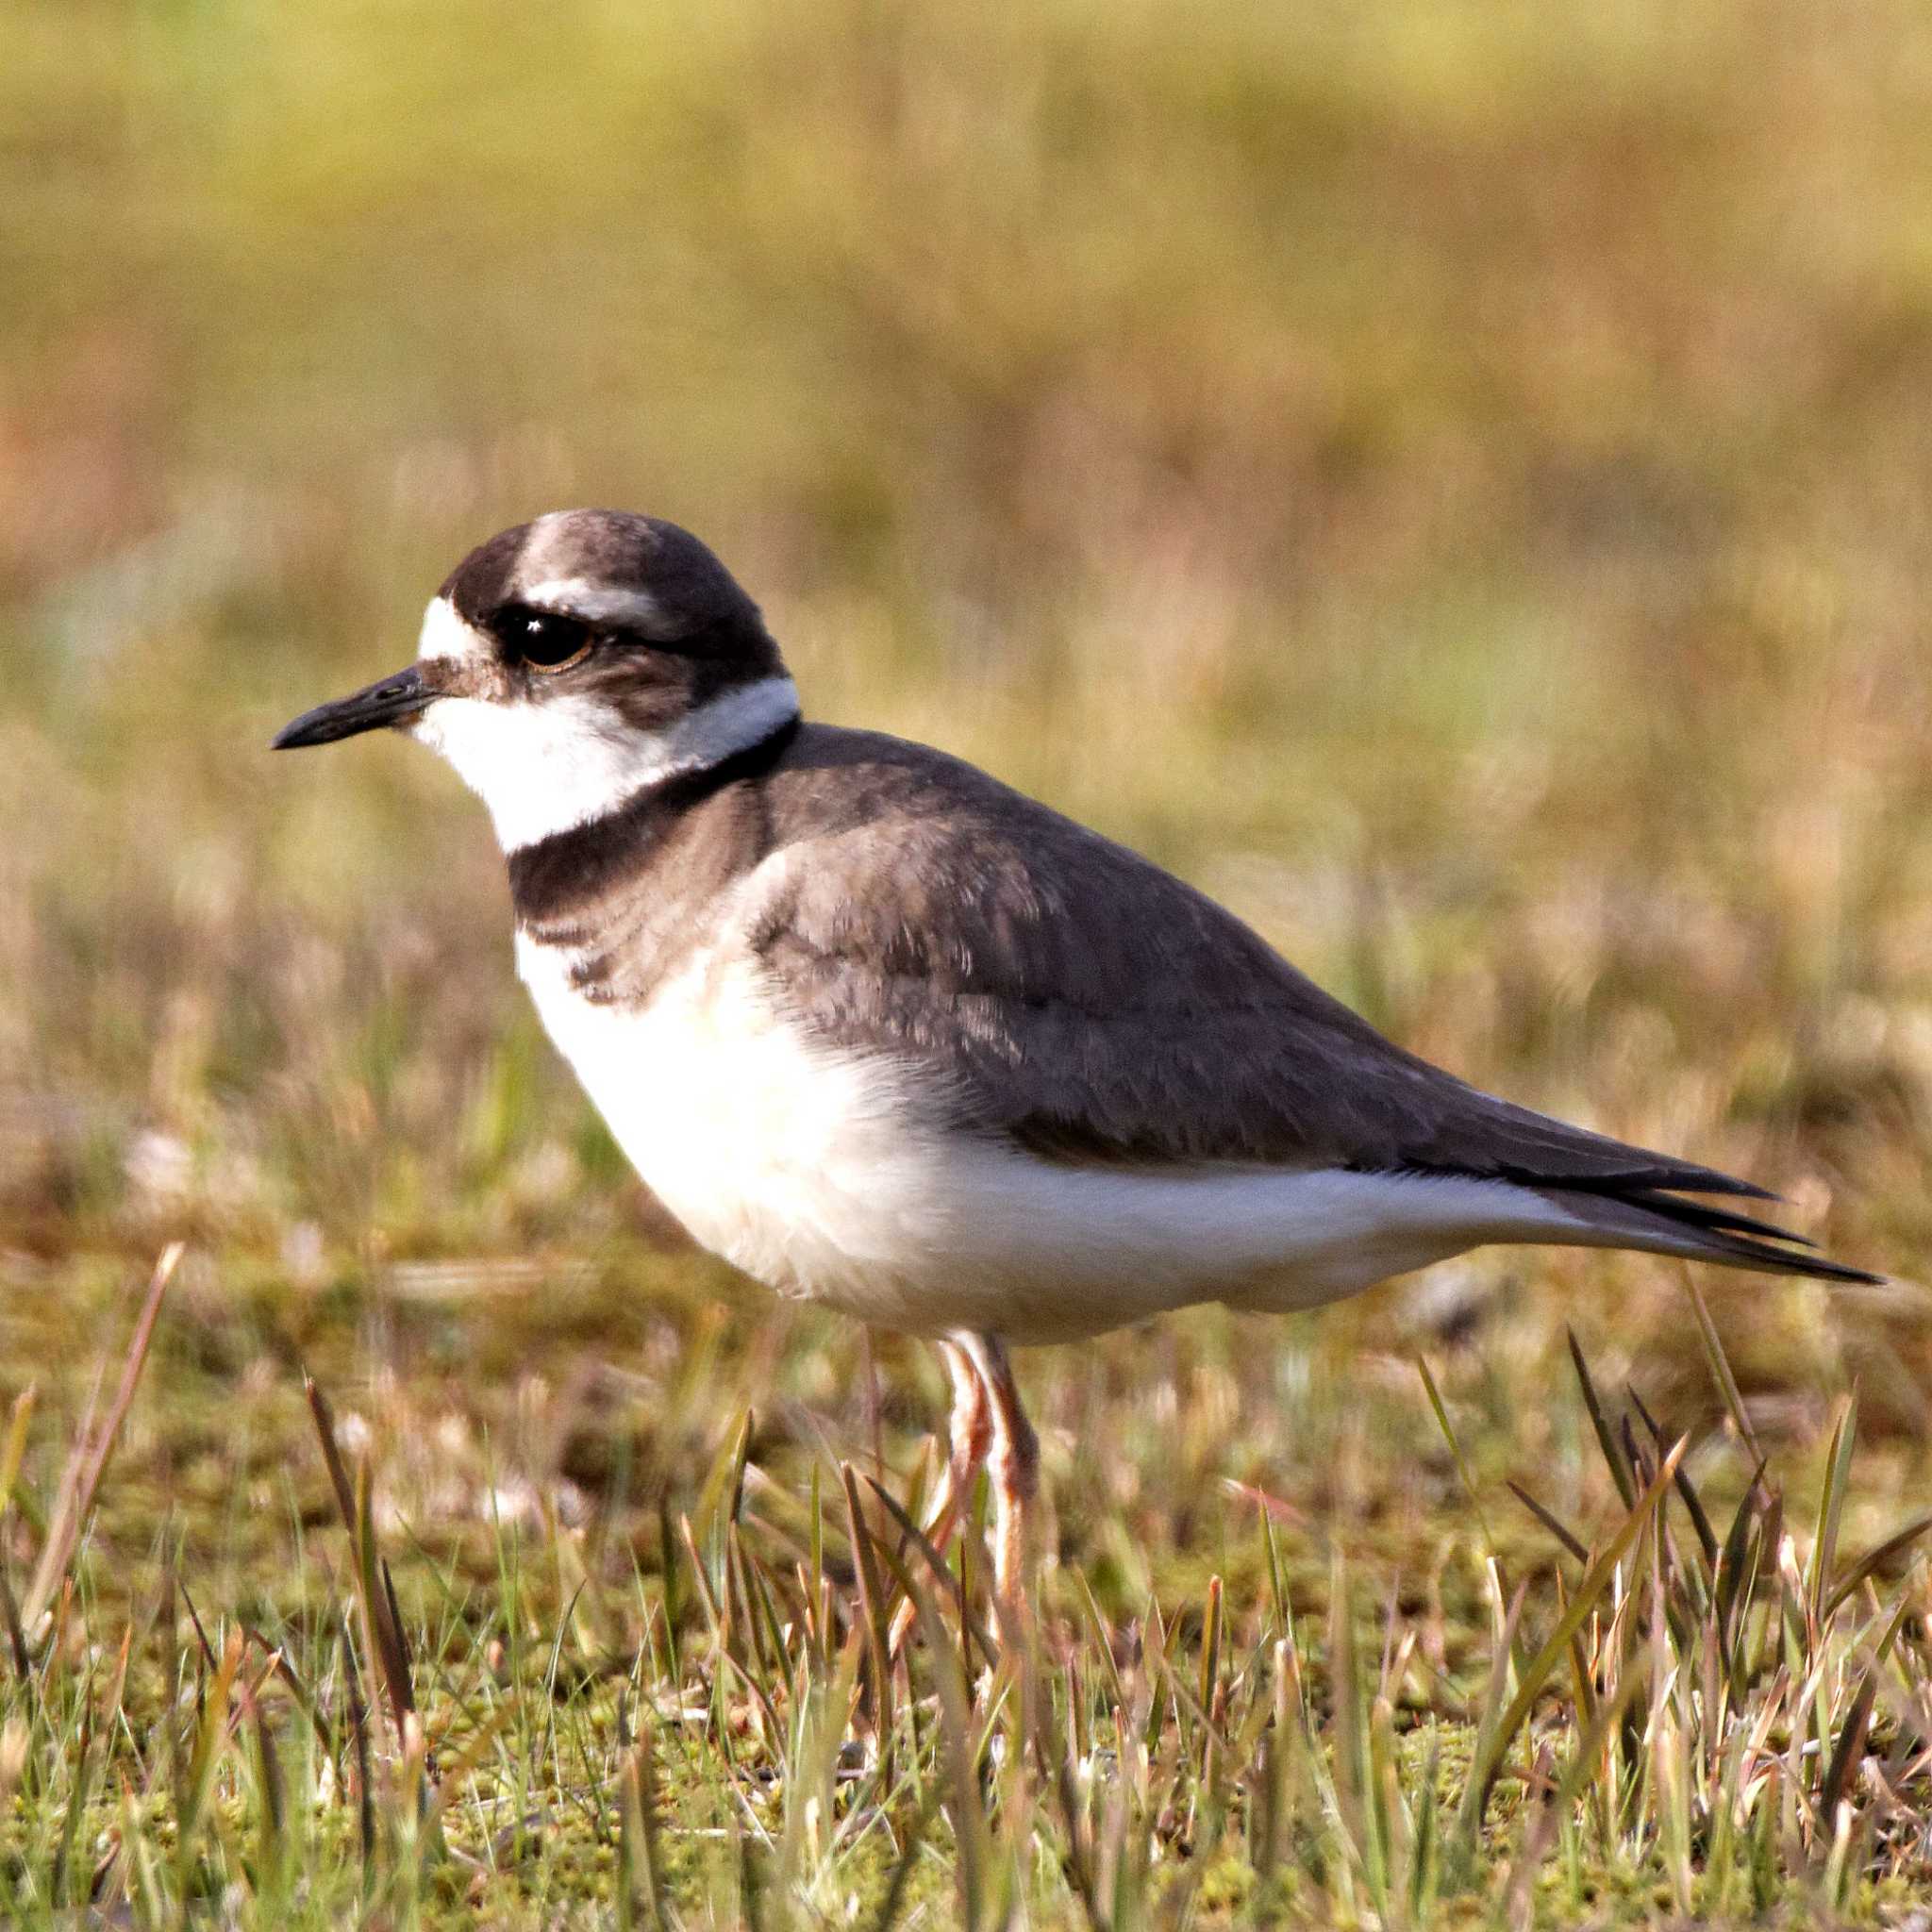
1838 1271
1746 1251
1743 1251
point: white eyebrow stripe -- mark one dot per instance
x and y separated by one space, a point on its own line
594 603
445 634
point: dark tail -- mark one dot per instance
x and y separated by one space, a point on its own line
1661 1222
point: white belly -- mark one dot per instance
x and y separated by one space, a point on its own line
815 1175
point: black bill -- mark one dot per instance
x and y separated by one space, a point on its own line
386 702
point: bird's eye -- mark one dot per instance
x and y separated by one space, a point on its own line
547 642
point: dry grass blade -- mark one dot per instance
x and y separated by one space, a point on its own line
273 1785
1700 1521
959 1758
872 1598
1739 1563
1876 1559
358 1733
88 1460
1573 1544
381 1625
197 1795
721 1496
1497 1738
331 1453
386 1623
1607 1441
1831 1503
77 1808
1721 1365
1349 1695
1212 1620
1469 1488
719 1622
1857 1724
208 1649
935 1561
1584 1763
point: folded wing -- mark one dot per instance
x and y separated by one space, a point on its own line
1063 992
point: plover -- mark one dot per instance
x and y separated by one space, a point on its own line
889 1035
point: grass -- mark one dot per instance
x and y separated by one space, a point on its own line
1451 480
1694 1695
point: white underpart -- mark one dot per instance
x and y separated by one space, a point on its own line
545 764
595 603
817 1174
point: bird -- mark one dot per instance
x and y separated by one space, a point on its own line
890 1036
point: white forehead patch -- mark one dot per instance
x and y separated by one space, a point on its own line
545 767
595 603
445 635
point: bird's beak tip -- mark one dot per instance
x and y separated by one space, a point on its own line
389 701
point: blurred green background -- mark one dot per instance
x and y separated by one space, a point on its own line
1452 478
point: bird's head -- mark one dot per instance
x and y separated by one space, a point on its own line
569 663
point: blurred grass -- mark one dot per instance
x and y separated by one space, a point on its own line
1454 480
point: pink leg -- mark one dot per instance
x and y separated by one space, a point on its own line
1014 1463
969 1433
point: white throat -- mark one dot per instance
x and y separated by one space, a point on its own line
547 767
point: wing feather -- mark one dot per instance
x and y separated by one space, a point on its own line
1061 991
1067 992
